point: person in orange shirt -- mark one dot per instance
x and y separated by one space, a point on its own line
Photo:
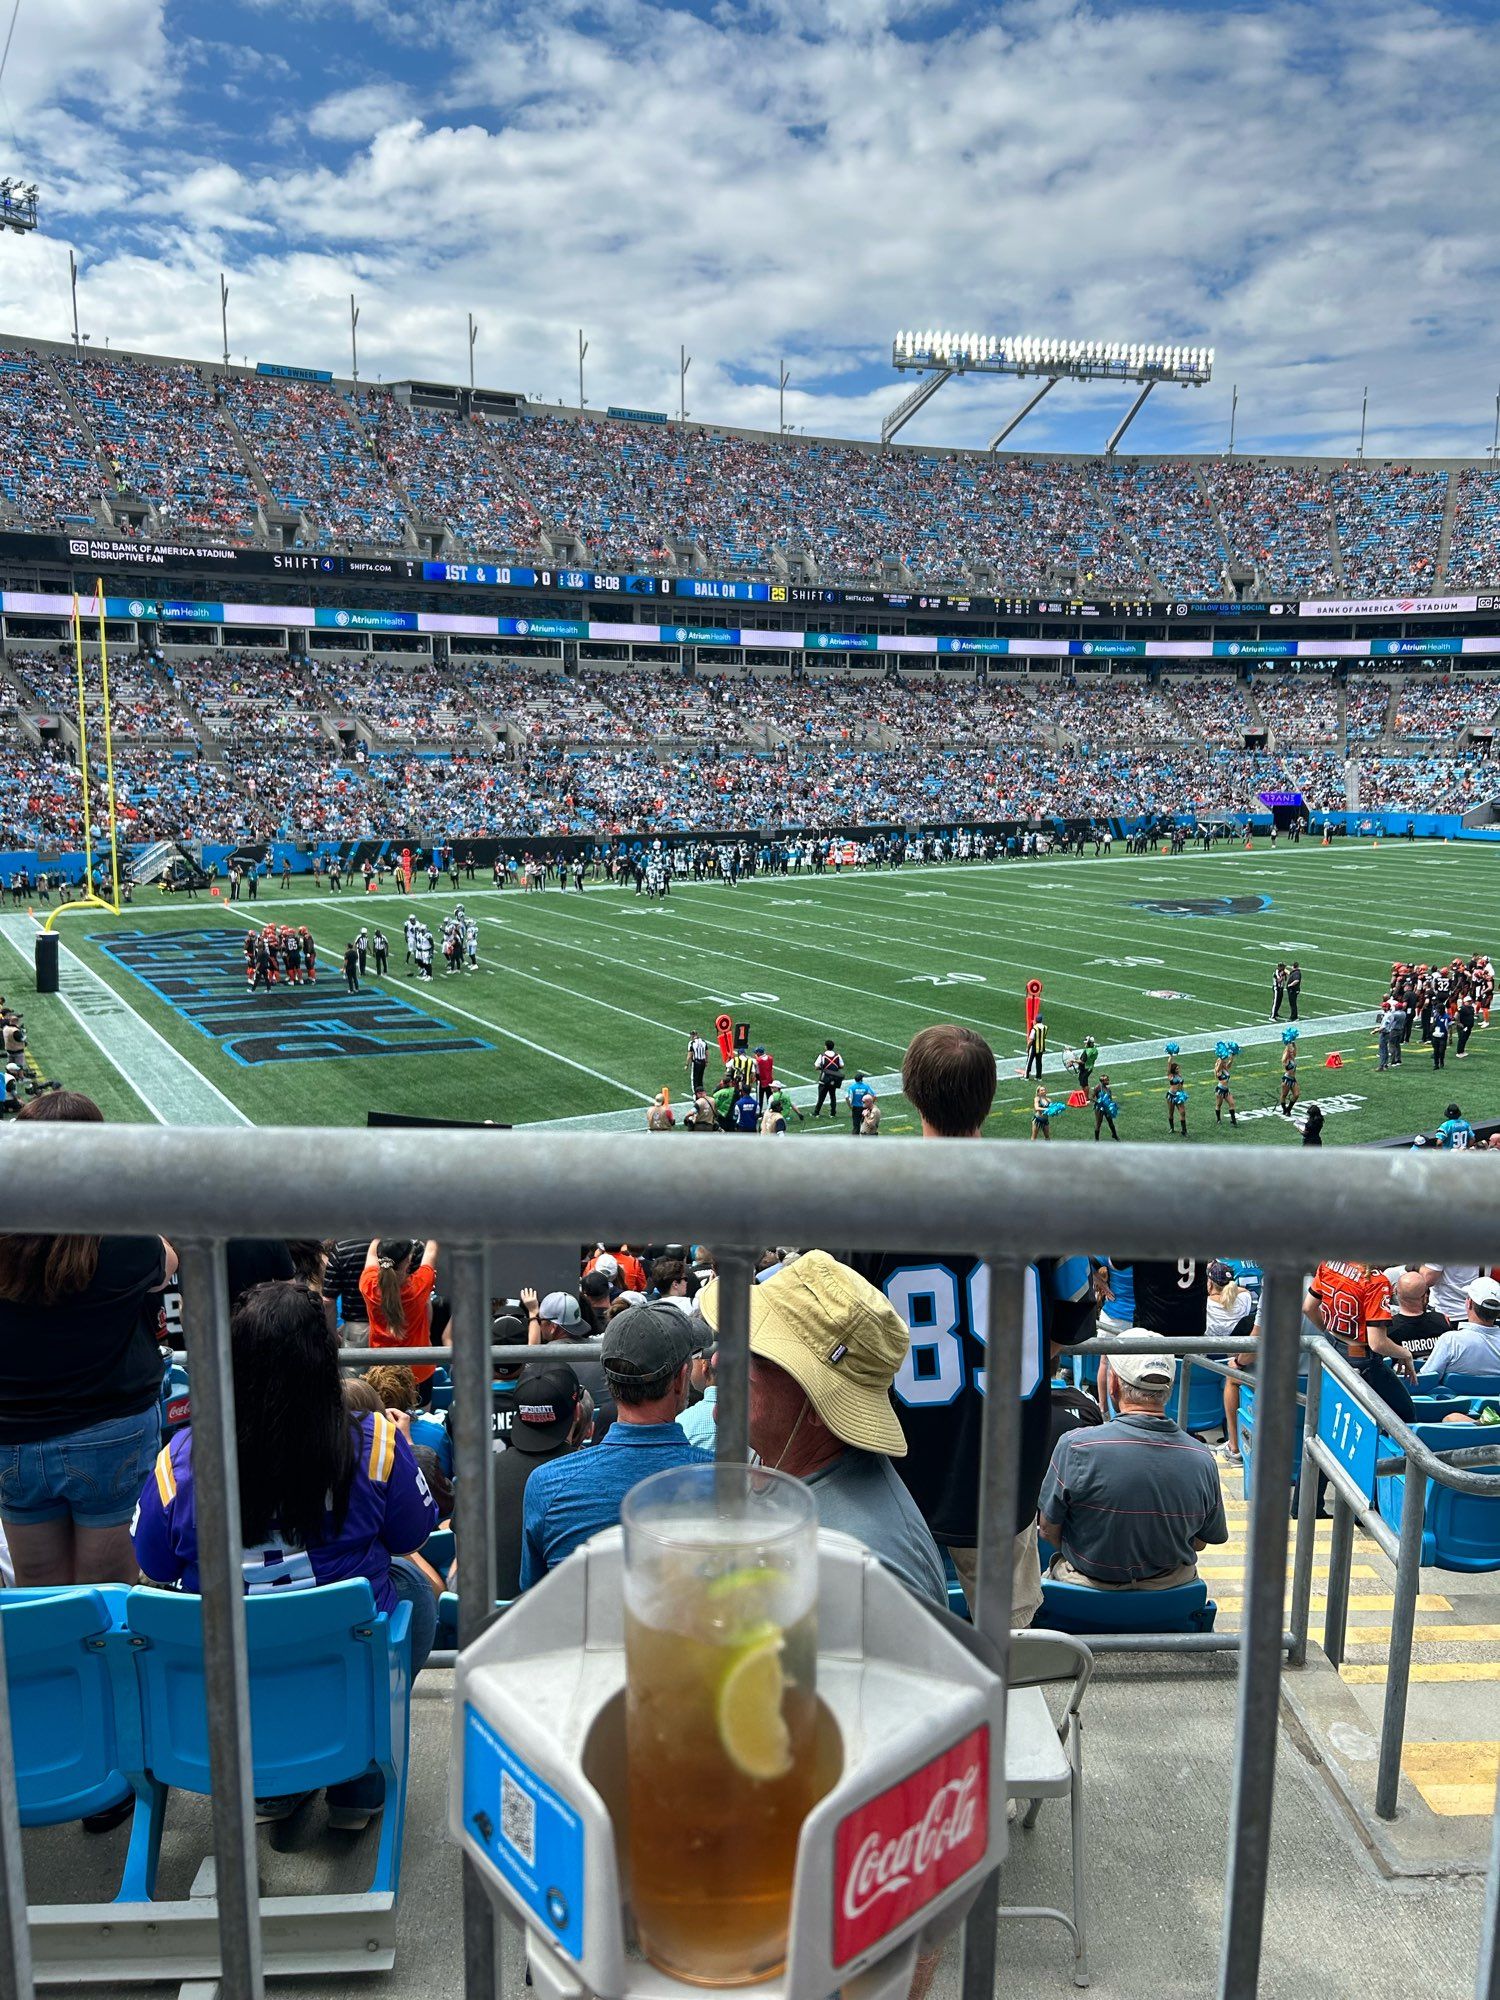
1352 1303
619 1265
398 1296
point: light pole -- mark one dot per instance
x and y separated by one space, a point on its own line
781 400
1364 410
583 348
684 363
1234 408
473 336
224 315
1495 447
73 281
354 336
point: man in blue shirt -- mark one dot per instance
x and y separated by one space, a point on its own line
858 1095
646 1354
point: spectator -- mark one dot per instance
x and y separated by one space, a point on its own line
559 1317
325 1493
80 1388
949 1079
646 1355
1473 1346
699 1420
553 1416
1414 1323
1351 1303
1129 1503
825 1346
398 1296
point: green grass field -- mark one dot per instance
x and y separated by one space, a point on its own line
586 1001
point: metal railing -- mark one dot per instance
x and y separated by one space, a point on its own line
1004 1202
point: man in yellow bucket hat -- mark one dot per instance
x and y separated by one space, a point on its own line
825 1346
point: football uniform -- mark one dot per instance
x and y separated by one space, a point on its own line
1170 1298
1353 1299
938 1391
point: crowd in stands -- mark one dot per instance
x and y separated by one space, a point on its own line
161 431
1301 708
365 468
1439 707
1389 526
236 745
1474 551
308 442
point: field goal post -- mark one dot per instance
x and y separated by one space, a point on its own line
91 898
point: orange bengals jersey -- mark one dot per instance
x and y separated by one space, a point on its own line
1353 1297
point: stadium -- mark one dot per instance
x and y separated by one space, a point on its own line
455 1535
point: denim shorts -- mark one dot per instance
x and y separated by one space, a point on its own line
93 1477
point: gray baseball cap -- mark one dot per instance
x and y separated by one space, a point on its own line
647 1342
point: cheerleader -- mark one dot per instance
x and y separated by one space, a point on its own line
1041 1115
1289 1091
1177 1096
1105 1108
1224 1055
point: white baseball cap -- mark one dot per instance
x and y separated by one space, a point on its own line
1145 1371
1483 1295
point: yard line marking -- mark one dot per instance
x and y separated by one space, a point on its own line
484 1021
171 1087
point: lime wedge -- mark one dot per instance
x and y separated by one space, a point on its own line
751 1727
735 1581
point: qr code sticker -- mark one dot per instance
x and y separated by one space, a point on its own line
517 1818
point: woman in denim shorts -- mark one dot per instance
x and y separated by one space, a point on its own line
80 1388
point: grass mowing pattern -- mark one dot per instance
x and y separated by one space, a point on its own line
590 998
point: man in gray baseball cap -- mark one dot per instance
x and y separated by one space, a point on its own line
645 1355
1129 1503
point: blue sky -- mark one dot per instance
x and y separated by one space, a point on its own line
1308 188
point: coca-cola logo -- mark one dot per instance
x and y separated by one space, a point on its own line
897 1852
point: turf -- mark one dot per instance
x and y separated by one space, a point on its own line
588 999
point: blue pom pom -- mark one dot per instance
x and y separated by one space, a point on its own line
1056 1110
1173 1048
1222 1050
1290 1034
1234 1048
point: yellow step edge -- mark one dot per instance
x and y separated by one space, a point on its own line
1456 1780
1457 1635
1361 1571
1428 1671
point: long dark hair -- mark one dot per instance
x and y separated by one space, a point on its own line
295 1439
41 1270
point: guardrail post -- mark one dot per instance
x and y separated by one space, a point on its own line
15 1935
732 1367
999 1489
1307 1517
1185 1390
1257 1732
1487 1981
1398 1660
472 1425
1340 1555
226 1659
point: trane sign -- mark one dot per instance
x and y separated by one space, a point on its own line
898 1852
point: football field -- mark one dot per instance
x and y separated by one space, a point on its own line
582 1004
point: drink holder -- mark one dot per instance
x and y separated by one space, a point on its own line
888 1862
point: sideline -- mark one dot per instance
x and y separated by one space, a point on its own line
170 1087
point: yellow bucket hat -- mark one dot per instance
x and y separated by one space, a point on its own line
838 1337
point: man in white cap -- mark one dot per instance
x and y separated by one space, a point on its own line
825 1346
1473 1346
1129 1503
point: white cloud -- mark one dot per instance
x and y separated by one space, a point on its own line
1310 189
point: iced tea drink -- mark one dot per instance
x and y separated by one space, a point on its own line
721 1736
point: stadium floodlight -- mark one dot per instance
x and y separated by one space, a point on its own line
938 353
17 206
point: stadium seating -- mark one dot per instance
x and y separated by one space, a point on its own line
1474 551
167 443
1073 1607
1460 1531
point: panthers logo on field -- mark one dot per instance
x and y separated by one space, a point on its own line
1203 906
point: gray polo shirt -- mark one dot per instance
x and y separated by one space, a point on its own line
1131 1497
860 1495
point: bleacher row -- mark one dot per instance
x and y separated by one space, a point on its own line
250 747
98 440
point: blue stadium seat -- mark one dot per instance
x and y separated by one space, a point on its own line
439 1549
1205 1400
1487 1386
1073 1607
72 1734
1460 1531
447 1623
330 1697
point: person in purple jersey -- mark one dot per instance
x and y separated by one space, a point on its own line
325 1493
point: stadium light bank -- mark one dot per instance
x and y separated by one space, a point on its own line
938 356
17 207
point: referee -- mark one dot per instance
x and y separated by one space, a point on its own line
697 1060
